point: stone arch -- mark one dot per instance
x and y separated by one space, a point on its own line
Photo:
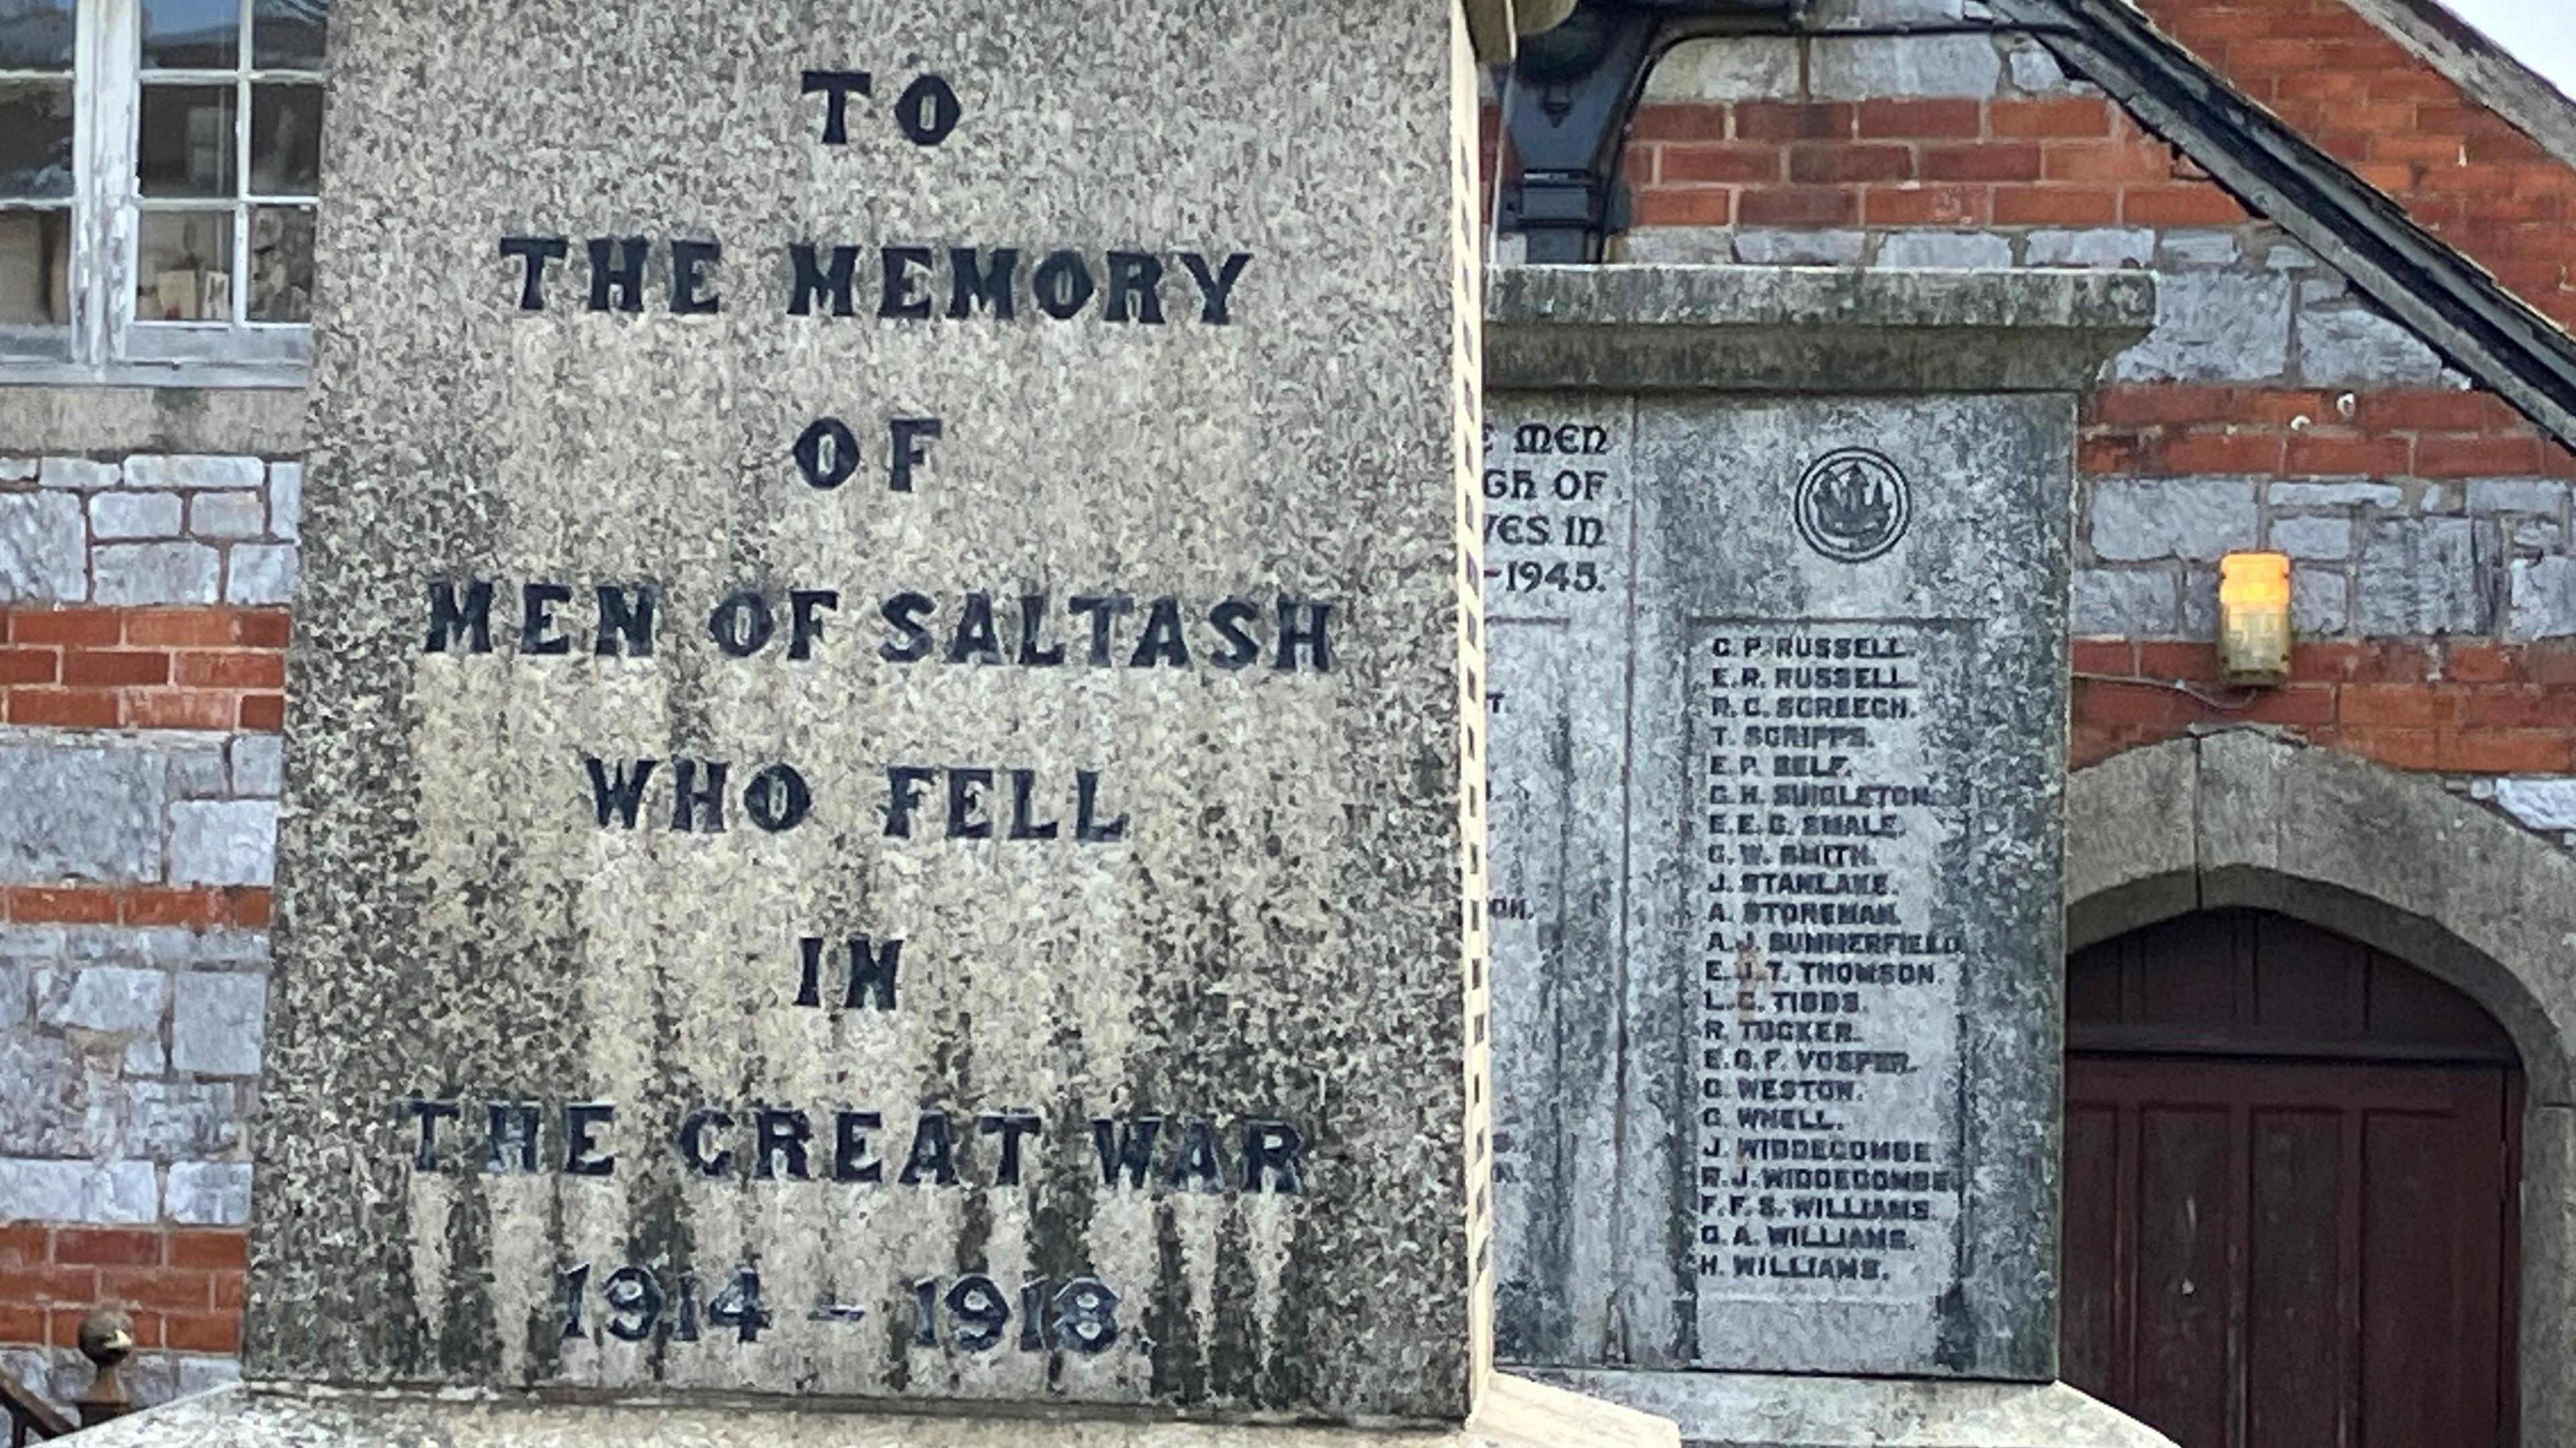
2246 818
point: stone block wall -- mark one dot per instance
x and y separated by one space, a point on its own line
142 672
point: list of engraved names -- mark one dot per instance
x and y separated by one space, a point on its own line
1828 989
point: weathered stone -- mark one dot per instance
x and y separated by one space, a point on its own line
2326 538
196 771
1869 67
145 1055
1678 245
1744 580
222 842
1737 68
2320 601
2350 346
181 472
285 499
41 544
2288 256
1512 1413
1761 328
113 1000
2200 603
2198 248
134 515
77 813
2035 71
1760 247
208 1193
230 949
155 573
1265 847
258 765
227 516
2094 247
104 945
2125 601
15 1009
2546 496
1945 250
1748 1410
44 1094
19 470
2429 576
2334 495
2214 327
215 1023
2544 598
2542 804
77 474
104 1193
261 573
2201 519
31 944
169 1120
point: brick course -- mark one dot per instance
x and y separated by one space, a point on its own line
143 668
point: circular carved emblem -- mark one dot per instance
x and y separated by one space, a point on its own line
1853 504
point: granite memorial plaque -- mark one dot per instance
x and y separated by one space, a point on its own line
884 799
1778 704
1771 800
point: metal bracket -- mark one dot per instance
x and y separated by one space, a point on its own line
1567 106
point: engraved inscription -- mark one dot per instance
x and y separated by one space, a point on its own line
1825 1064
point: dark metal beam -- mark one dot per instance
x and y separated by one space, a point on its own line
1567 105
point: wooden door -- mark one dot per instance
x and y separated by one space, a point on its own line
2291 1166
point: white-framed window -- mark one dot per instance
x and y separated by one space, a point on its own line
159 161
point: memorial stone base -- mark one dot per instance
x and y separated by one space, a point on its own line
1513 1413
1767 1410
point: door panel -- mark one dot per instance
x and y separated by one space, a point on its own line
2296 1314
2268 1254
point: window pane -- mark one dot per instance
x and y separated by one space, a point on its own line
281 264
184 267
286 34
285 140
35 139
191 34
35 34
187 140
35 268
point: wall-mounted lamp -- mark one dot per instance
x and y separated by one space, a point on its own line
2254 618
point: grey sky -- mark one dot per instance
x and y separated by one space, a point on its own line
2541 33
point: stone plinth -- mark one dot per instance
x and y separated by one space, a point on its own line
882 790
1512 1414
1777 587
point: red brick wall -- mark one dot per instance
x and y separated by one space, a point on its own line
182 1287
2457 707
144 668
2460 170
2060 161
2394 434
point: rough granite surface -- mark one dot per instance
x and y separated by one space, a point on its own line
1510 1413
1846 937
1273 949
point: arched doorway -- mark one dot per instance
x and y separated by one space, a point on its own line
2292 1172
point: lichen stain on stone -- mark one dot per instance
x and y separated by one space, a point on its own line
469 1346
